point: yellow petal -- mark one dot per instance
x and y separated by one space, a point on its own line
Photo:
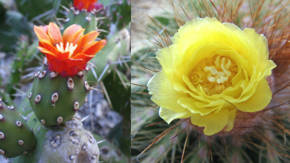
165 58
259 42
231 120
260 99
197 107
212 123
163 93
168 115
259 45
271 65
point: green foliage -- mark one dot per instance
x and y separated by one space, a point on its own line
118 89
25 57
36 11
15 136
13 26
55 99
121 13
32 8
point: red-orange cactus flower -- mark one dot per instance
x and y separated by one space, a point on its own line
67 54
88 5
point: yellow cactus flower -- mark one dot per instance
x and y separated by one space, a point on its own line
211 71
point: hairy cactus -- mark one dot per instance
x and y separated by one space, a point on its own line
255 137
55 99
15 137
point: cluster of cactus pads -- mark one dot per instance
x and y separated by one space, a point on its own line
54 99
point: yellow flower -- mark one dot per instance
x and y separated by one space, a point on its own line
211 71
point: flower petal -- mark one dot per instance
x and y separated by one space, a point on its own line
72 33
47 45
163 93
41 33
259 42
97 46
195 107
86 40
231 121
46 52
212 123
82 56
165 58
260 99
54 33
168 116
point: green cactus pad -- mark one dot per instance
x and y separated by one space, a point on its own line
74 144
85 19
54 99
15 137
71 144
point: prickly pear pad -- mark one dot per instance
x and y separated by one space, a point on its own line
54 99
15 137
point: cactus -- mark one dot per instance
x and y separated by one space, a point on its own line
15 136
73 144
60 85
86 19
264 139
54 99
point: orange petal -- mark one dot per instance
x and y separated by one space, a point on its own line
85 40
54 33
46 52
80 56
89 3
41 33
97 46
47 45
72 33
91 36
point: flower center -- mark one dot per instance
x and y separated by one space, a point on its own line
69 47
214 74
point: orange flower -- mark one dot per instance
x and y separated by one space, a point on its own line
67 54
88 5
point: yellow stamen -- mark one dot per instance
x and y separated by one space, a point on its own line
214 74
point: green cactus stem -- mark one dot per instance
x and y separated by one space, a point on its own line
55 99
15 137
86 19
72 145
